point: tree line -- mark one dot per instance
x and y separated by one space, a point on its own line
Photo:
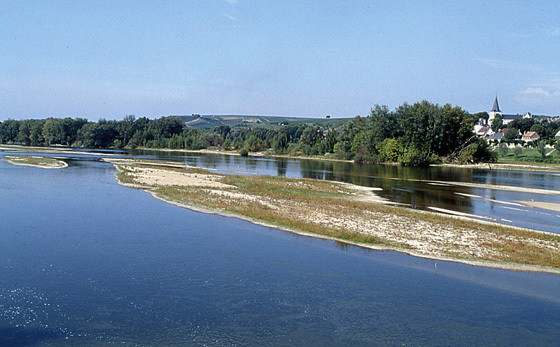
414 135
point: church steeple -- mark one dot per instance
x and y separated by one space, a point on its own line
496 107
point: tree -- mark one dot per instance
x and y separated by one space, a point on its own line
497 123
280 143
517 150
329 141
382 124
253 143
127 129
391 149
24 132
431 128
9 130
541 148
503 149
477 151
481 115
511 134
98 135
538 128
523 124
310 135
52 131
36 133
223 130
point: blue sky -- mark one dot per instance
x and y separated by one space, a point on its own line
108 59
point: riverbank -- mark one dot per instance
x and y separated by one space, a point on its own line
57 150
36 161
346 213
526 166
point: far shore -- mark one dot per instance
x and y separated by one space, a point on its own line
529 166
346 213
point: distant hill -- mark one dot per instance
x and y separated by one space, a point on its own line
211 121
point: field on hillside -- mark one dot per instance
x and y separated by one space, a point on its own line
211 121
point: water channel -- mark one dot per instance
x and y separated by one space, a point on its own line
84 261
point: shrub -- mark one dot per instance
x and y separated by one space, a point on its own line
414 157
391 149
517 150
503 149
243 152
478 151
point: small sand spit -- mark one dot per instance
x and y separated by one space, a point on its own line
36 161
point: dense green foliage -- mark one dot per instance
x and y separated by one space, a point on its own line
412 135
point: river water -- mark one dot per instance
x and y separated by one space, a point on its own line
84 261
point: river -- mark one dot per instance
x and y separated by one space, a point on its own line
84 261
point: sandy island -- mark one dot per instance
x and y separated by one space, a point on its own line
346 213
36 161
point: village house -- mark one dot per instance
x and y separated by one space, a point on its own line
530 136
498 135
483 131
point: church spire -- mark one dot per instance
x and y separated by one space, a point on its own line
496 107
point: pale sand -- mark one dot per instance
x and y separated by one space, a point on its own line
413 236
489 199
153 177
544 205
461 214
497 187
505 166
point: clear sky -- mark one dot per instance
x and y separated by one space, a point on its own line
303 58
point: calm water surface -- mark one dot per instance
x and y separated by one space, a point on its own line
84 261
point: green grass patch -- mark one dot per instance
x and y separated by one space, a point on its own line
529 155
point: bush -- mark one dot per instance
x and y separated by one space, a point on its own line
503 149
243 152
517 150
391 149
541 148
478 151
367 158
117 143
414 157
